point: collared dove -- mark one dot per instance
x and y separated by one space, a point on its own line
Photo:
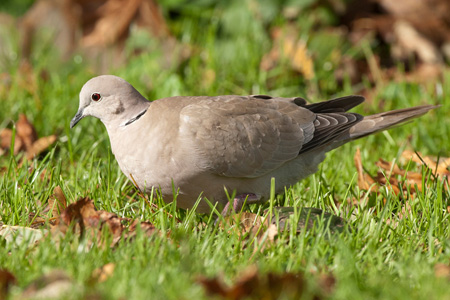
203 145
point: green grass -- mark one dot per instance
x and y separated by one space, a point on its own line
373 259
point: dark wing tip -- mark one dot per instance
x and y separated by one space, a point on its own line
341 104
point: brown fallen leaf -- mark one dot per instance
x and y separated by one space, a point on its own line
25 131
146 227
391 172
113 21
81 213
402 182
251 284
57 202
410 42
364 180
98 29
7 279
103 273
26 139
288 46
40 145
327 282
441 168
116 16
415 33
83 219
5 141
301 60
442 270
435 12
37 220
384 178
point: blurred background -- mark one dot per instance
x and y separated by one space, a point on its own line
388 51
320 45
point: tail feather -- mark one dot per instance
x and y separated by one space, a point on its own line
382 121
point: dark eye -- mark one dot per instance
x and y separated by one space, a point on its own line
96 96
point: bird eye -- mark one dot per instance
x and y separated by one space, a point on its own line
96 97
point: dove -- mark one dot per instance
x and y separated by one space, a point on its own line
215 146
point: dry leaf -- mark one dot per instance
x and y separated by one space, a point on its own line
417 33
301 60
81 213
251 284
112 23
7 279
5 141
327 282
429 17
364 180
442 270
410 42
400 181
103 273
26 131
146 227
40 145
83 219
115 17
57 202
287 45
26 139
441 168
100 28
37 220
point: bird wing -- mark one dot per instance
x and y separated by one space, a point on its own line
249 136
245 136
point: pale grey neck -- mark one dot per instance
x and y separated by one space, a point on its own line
126 112
136 109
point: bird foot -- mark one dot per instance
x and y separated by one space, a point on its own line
238 203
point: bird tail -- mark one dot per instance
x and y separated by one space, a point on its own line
382 121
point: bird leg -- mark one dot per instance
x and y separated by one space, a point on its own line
239 201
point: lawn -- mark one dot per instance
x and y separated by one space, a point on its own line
391 247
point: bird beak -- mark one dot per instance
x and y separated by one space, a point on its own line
77 118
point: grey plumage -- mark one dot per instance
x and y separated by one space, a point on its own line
202 145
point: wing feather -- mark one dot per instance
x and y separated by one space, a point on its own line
245 136
251 136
